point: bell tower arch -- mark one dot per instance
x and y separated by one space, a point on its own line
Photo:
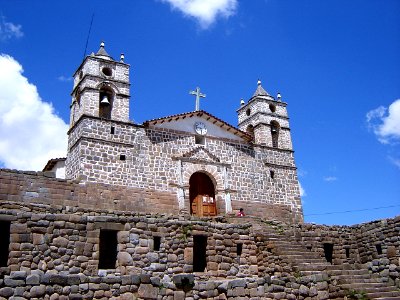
101 88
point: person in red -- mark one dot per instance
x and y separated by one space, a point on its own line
240 213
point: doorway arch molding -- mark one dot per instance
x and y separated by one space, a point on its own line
210 171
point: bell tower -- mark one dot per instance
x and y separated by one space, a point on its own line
101 88
266 119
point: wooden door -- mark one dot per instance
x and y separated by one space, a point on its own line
202 195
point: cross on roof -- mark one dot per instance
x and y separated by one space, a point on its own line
198 96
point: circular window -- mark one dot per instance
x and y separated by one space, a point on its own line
272 108
248 111
106 71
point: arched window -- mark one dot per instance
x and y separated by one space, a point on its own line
250 130
274 133
106 99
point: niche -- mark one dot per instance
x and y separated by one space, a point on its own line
347 252
328 251
4 242
239 249
199 253
108 249
272 174
156 243
199 140
378 249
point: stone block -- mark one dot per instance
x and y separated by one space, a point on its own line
37 291
124 259
147 291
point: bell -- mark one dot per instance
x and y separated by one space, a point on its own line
105 101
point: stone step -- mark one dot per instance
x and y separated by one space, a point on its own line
368 287
384 295
356 278
334 272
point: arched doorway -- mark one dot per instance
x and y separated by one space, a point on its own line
202 195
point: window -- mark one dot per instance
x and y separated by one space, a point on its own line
272 108
250 130
199 140
156 243
4 242
199 253
106 71
108 249
239 249
274 133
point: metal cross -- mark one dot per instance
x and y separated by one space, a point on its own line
198 96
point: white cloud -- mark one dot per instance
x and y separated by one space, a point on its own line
395 161
64 78
9 30
205 11
330 178
302 191
30 131
385 123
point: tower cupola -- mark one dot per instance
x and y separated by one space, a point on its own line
101 88
266 119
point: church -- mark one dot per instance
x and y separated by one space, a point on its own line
150 211
197 162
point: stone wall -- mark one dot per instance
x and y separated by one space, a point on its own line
54 254
43 188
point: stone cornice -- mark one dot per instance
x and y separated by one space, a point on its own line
102 79
279 166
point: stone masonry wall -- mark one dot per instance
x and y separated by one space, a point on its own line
87 81
160 159
38 187
54 254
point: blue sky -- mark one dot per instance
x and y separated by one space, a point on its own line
336 64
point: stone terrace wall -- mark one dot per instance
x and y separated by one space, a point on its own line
54 254
376 245
43 188
383 234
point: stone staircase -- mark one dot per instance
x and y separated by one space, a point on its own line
345 279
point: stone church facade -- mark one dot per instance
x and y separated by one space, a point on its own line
250 167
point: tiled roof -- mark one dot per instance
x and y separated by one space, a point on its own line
205 115
52 162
